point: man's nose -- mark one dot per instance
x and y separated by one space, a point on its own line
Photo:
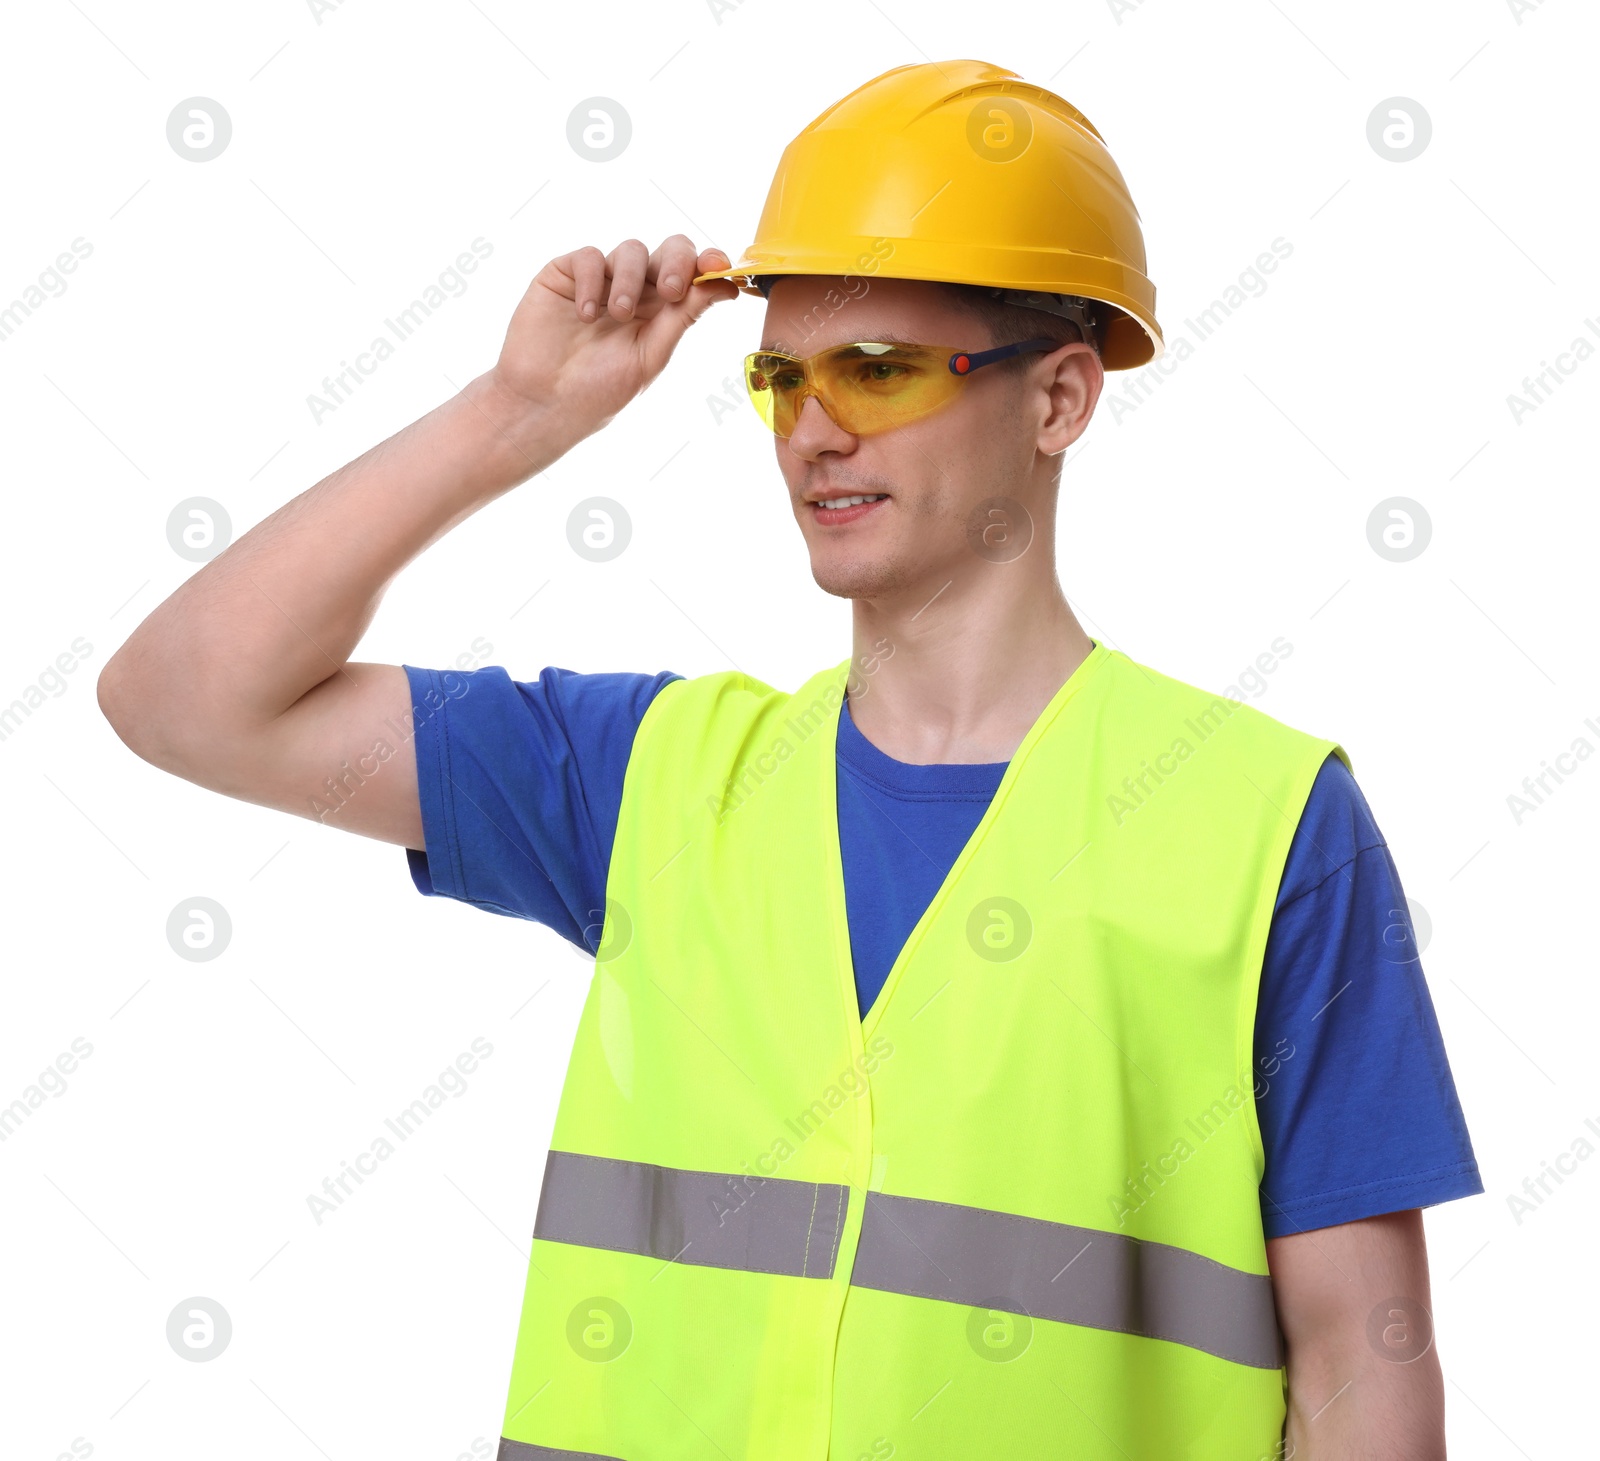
815 431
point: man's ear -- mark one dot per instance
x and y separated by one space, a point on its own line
1073 380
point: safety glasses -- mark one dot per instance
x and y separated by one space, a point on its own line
866 387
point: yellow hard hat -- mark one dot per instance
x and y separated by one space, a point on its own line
961 171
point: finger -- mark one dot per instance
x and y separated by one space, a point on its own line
672 266
628 262
669 324
587 267
710 260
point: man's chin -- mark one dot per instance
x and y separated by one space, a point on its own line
856 578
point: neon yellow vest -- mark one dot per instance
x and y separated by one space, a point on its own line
1014 1211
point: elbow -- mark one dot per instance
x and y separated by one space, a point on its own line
111 693
166 720
130 713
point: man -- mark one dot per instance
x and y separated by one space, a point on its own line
995 1045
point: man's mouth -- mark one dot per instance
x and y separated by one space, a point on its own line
834 512
834 503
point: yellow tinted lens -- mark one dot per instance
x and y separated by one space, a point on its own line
874 386
769 379
863 387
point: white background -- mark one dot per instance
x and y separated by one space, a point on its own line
1230 508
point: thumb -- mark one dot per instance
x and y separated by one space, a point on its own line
661 334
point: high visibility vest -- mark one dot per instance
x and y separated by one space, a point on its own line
1013 1211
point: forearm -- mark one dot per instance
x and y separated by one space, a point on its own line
285 606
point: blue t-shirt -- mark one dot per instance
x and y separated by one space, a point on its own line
521 784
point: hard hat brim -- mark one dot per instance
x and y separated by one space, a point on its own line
1132 339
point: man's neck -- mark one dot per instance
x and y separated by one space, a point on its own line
963 678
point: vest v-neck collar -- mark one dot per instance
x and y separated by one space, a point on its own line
828 810
913 781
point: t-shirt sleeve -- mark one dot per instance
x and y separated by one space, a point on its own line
520 784
1358 1109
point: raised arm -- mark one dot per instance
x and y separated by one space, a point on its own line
241 681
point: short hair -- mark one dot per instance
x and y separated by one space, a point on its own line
1008 324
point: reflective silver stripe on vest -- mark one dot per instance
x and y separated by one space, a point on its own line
717 1219
523 1451
1023 1265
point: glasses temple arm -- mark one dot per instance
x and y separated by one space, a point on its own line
971 360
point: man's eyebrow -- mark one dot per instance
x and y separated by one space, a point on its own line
883 337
